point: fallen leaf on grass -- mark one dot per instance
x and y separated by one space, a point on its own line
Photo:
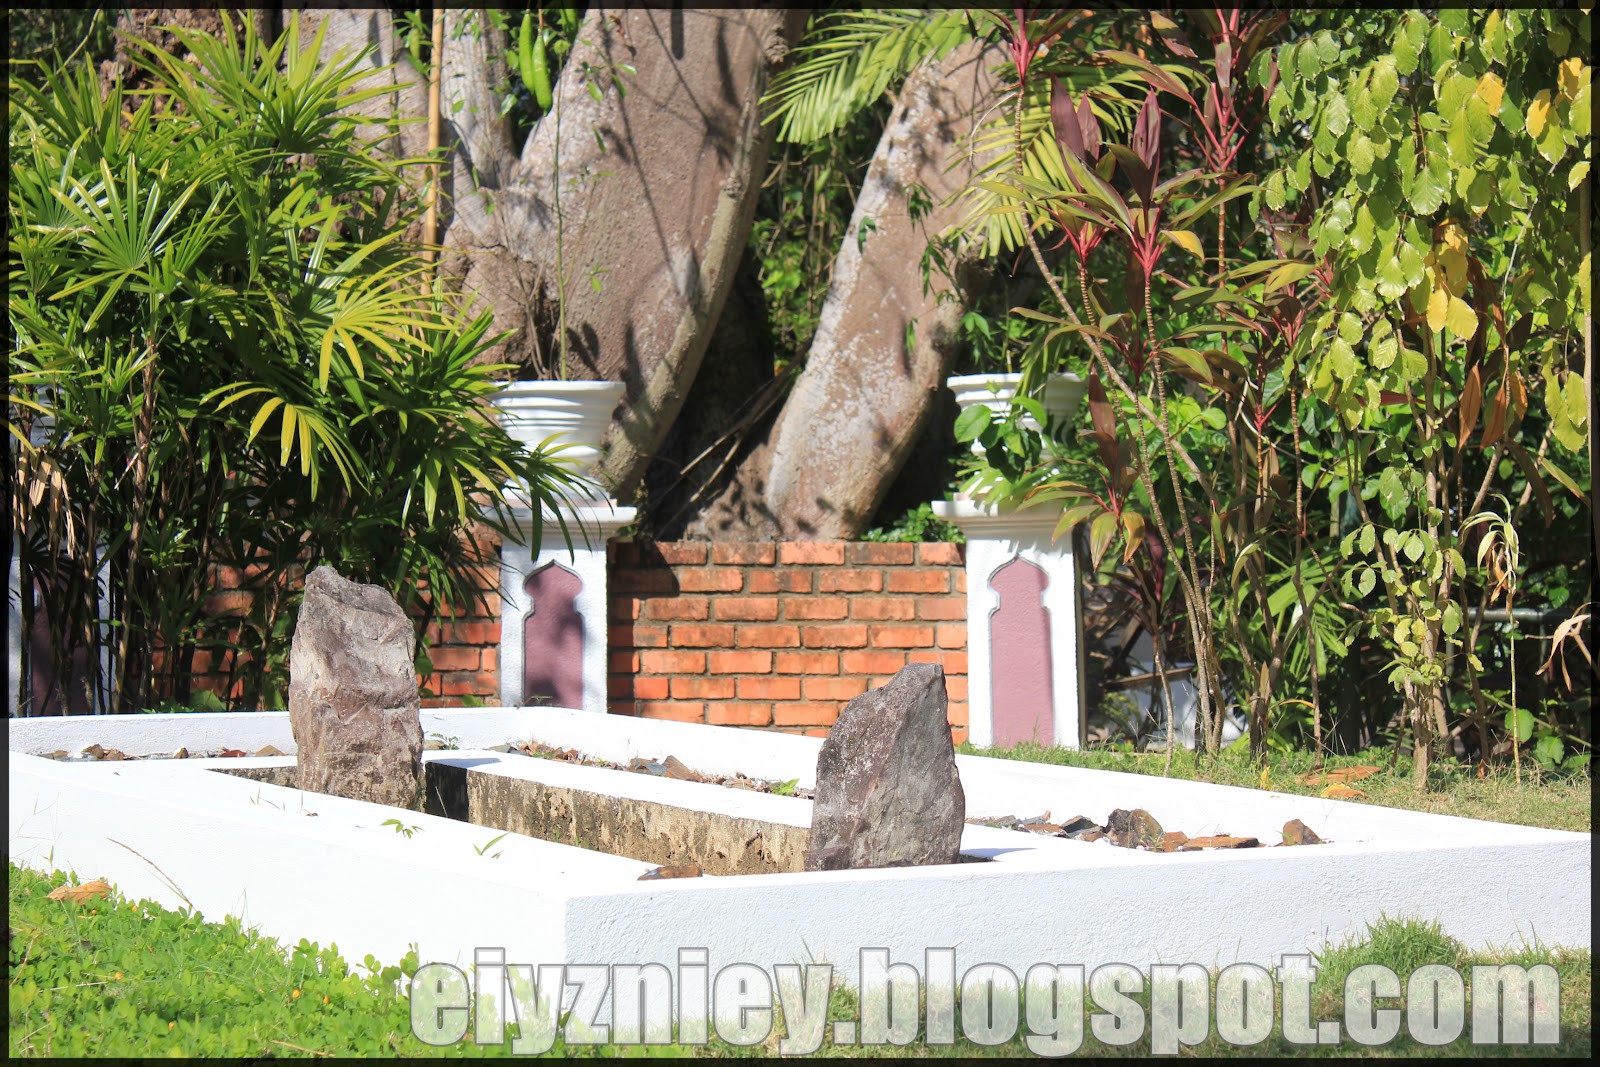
1342 792
80 894
1340 776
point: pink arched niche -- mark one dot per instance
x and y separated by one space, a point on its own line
552 638
1021 682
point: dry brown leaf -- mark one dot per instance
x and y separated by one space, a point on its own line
1339 776
80 894
1342 792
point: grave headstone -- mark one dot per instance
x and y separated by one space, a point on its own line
888 793
353 694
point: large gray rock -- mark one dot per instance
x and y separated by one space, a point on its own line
888 793
353 693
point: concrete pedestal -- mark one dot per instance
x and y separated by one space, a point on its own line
567 619
1024 674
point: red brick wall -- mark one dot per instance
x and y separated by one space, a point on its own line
766 635
780 635
465 650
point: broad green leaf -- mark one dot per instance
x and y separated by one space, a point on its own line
1519 723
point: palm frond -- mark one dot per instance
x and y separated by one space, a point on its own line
849 59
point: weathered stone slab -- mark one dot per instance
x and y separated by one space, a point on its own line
353 693
888 793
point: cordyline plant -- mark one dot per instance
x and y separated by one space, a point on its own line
1211 521
225 353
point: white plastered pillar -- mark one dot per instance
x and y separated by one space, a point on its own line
994 538
591 524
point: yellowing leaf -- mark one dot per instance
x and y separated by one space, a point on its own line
1438 306
1461 320
1342 792
1451 254
1539 114
1571 77
1491 89
1187 240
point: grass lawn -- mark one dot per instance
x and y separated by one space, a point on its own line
1555 801
112 977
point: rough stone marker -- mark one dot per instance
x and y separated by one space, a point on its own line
888 793
353 694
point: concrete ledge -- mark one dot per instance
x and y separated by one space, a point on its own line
305 865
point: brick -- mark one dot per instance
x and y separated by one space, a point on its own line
834 635
657 580
935 552
870 554
956 713
624 608
636 687
955 686
958 737
622 707
795 581
711 580
802 714
760 581
953 635
941 608
768 637
872 662
682 553
816 607
952 662
678 608
808 663
817 732
729 713
834 688
882 608
692 687
695 635
919 581
849 581
637 634
961 581
622 661
454 659
825 552
745 553
674 662
489 659
769 688
739 662
678 711
902 636
454 685
746 608
622 554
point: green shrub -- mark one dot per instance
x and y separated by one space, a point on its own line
226 351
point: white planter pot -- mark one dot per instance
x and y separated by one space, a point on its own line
1062 395
576 414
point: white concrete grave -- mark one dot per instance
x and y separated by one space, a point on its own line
299 864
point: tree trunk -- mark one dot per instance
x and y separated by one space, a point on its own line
862 401
624 217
